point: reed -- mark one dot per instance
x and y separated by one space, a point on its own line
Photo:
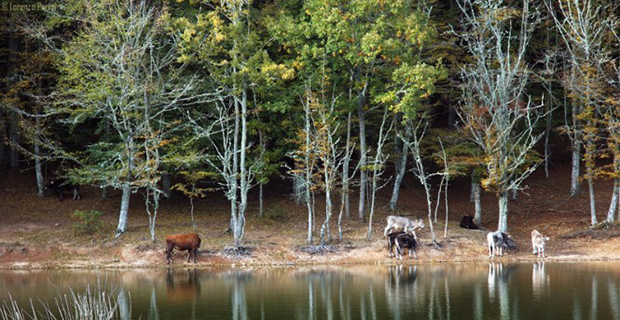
88 305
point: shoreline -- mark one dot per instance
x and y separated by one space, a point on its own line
236 262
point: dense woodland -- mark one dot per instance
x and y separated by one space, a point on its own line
338 97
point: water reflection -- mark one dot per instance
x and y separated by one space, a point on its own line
543 290
540 279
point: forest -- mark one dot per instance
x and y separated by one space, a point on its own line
337 98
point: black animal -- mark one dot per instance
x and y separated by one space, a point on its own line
61 184
467 222
391 241
402 241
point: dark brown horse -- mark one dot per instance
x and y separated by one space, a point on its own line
189 242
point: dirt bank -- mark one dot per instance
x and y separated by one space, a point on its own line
38 232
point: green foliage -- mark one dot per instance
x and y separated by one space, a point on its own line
87 222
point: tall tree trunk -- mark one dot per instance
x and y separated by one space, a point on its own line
547 136
590 165
613 205
429 206
345 170
328 203
308 173
503 212
593 220
244 174
15 139
122 217
402 166
261 212
235 174
575 164
166 184
576 148
37 160
611 213
477 203
13 117
363 148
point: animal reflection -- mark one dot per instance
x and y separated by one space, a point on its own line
498 284
540 278
182 286
400 287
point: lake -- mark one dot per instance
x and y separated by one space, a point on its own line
549 290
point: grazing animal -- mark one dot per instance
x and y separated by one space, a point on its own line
498 241
189 242
61 184
405 241
467 222
391 241
538 243
396 223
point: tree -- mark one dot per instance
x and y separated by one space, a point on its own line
496 111
582 27
120 68
225 44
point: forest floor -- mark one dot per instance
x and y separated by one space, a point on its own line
38 232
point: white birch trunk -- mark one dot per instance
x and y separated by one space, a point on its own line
345 172
308 174
122 217
328 203
477 203
503 212
593 220
363 163
611 213
244 178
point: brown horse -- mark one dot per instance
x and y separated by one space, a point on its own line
189 242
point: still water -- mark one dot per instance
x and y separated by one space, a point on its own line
438 291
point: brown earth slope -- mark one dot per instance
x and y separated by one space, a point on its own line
38 232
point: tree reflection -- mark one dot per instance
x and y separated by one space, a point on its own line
124 307
613 298
153 312
498 284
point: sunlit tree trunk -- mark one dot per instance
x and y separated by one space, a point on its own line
402 166
363 151
477 203
503 212
345 171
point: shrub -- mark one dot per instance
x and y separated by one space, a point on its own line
87 221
